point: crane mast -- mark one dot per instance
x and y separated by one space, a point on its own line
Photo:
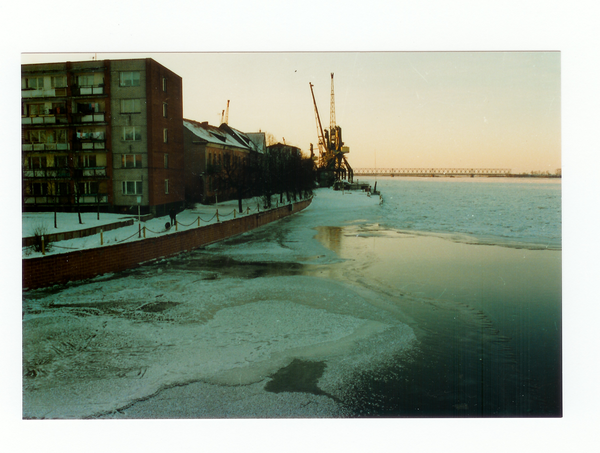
332 163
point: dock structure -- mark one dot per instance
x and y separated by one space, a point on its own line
472 172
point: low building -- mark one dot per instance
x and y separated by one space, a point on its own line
205 148
104 135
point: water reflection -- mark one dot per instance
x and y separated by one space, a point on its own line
488 318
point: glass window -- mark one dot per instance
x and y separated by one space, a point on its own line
166 161
86 80
61 161
37 83
166 186
165 136
36 109
132 133
131 106
63 188
129 79
37 162
59 81
88 160
40 188
164 84
164 110
131 161
87 188
132 187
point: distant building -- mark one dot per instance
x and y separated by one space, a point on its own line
102 135
283 148
205 147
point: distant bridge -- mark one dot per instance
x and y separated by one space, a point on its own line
432 172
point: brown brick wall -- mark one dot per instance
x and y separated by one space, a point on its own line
84 264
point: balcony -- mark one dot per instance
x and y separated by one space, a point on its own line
65 173
96 117
51 93
44 119
94 172
46 146
58 199
87 90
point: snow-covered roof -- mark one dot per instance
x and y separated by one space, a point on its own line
222 135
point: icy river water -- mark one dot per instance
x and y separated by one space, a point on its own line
443 300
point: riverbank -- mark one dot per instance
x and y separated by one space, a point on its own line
95 258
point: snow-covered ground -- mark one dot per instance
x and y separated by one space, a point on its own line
68 221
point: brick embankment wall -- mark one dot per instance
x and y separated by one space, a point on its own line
83 264
54 237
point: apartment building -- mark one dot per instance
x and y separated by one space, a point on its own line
104 135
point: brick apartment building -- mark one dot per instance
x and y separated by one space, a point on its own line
102 135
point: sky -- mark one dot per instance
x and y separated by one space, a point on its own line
396 109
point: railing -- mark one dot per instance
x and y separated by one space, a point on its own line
66 199
46 146
62 173
90 145
44 119
87 91
54 92
96 117
94 172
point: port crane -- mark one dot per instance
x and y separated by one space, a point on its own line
332 164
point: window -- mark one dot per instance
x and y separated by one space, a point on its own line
61 161
36 109
131 161
40 188
88 160
58 108
86 80
166 160
37 162
58 81
87 188
132 133
131 106
36 83
164 84
129 79
164 109
62 188
165 136
132 187
166 186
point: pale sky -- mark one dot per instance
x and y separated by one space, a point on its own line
396 109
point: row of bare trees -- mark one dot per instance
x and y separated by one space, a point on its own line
276 172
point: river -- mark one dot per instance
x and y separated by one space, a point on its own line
443 300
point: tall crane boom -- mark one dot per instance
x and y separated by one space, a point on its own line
332 109
322 148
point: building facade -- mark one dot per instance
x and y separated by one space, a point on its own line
104 135
206 147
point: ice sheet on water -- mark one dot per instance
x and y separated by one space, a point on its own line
96 347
